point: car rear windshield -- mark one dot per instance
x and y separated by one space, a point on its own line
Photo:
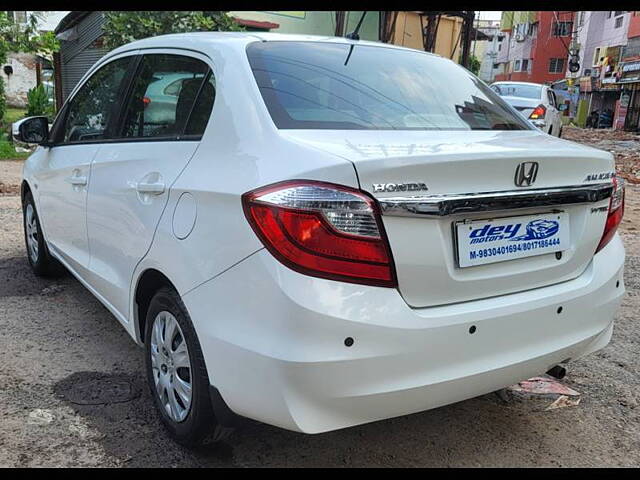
517 90
319 85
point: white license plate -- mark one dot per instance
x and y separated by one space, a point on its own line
488 241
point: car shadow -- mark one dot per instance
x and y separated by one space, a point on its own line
480 431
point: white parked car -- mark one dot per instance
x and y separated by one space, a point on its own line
536 102
325 232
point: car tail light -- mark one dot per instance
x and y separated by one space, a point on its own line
538 112
616 210
323 230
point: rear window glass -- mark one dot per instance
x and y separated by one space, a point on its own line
517 90
314 85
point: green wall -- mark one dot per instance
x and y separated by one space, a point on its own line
315 22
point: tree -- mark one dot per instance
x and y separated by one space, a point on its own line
17 37
474 65
124 27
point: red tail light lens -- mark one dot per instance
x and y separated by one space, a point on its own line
323 230
538 112
616 211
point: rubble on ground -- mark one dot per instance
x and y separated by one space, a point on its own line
625 146
9 189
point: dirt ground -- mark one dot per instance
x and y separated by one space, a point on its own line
54 334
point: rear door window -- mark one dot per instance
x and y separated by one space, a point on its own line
163 95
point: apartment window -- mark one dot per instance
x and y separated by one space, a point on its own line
556 65
533 29
516 66
618 23
525 65
596 56
562 29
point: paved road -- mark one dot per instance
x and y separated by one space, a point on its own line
54 334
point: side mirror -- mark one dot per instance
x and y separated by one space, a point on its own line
33 130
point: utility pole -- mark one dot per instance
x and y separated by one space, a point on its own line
467 25
475 38
339 23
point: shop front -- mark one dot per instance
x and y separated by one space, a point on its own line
629 81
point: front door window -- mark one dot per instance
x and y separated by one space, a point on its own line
90 110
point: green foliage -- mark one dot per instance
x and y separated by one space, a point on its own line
15 37
126 26
38 102
7 151
14 114
474 65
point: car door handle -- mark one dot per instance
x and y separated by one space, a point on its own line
77 180
155 188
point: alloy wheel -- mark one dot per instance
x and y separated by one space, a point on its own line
171 366
31 226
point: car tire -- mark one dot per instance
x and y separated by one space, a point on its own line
167 374
41 261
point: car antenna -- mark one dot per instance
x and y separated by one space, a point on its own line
354 35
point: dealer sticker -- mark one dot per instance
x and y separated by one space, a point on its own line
488 241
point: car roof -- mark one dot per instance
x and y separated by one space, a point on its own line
205 40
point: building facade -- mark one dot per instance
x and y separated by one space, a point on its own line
600 39
628 77
409 31
535 46
487 50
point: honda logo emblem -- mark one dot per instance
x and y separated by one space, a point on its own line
526 174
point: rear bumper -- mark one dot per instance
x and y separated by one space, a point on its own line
273 341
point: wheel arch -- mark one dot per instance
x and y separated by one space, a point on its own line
149 282
24 189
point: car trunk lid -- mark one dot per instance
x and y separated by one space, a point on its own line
523 105
449 163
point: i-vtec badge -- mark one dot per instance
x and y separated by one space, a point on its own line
399 187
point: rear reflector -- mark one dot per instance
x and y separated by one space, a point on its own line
616 211
323 230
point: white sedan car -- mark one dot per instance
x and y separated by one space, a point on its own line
536 102
325 232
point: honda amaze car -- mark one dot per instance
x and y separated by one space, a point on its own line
536 102
325 232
